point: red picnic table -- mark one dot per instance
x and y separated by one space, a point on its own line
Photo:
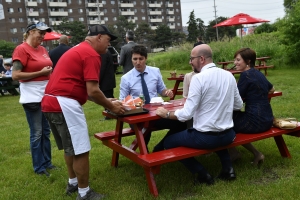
142 125
263 65
113 139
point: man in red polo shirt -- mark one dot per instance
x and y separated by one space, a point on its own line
74 81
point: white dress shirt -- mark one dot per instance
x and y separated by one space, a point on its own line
131 83
212 97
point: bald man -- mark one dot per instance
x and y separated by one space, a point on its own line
212 97
57 52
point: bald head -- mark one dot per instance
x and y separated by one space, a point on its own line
64 40
203 50
201 55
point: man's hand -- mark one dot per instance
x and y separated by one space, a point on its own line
118 108
169 93
112 99
162 112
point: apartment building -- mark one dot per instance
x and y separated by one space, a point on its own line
17 13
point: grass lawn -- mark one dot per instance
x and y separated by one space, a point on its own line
278 178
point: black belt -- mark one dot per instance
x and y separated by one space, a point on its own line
216 133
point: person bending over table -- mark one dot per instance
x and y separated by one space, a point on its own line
131 84
212 97
65 94
254 89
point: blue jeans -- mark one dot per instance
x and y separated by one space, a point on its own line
39 137
198 140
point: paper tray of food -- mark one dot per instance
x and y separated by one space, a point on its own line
131 112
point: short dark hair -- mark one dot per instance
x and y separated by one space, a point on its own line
248 55
199 38
7 64
130 35
139 49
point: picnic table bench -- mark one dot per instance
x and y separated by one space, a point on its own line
9 85
262 65
176 89
151 161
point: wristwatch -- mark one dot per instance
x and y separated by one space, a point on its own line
168 115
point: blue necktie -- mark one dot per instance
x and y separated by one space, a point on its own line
145 89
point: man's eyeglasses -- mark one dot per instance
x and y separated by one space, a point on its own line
192 58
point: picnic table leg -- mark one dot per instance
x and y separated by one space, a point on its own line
115 156
282 146
175 89
151 181
140 138
134 144
266 74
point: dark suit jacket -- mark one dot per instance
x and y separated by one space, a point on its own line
125 57
57 52
2 69
107 74
198 43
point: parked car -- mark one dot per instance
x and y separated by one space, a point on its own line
116 58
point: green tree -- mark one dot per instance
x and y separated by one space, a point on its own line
75 29
291 33
6 48
192 28
265 28
163 37
122 26
223 31
178 38
288 4
201 28
144 34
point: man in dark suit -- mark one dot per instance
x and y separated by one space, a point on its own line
199 41
107 81
57 52
125 54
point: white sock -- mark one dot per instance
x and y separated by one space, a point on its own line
83 191
73 181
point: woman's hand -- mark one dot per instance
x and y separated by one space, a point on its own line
46 71
272 90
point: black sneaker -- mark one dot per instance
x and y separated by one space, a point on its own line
90 195
43 173
71 189
52 167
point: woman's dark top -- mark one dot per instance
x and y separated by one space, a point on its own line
258 117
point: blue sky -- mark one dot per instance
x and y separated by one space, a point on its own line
204 9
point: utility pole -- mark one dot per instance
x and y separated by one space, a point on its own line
216 20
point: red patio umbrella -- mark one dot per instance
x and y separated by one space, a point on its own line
240 19
52 36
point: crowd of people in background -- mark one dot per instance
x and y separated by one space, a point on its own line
54 86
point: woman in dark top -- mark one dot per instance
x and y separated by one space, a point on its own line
254 89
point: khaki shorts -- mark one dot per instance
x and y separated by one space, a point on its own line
61 132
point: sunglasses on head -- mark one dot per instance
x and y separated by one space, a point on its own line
36 25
